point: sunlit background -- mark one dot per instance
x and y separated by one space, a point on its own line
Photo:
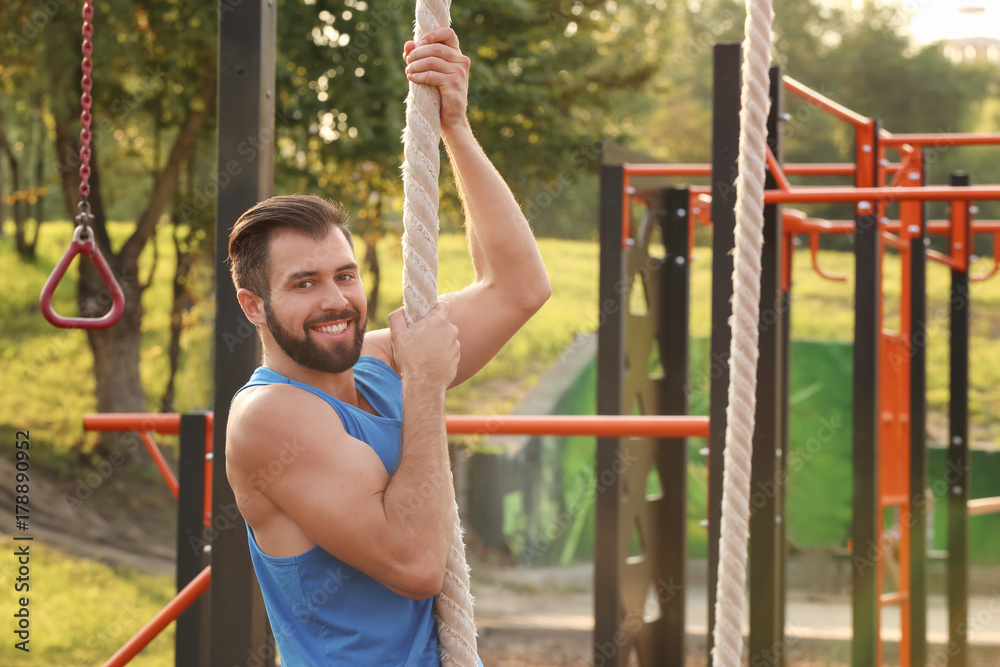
970 28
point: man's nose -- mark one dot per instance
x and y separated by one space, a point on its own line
333 299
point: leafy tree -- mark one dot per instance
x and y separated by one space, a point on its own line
154 76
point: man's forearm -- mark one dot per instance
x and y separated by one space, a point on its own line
419 500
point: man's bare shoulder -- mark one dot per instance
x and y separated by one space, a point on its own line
261 418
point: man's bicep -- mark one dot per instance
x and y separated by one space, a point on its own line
333 493
486 321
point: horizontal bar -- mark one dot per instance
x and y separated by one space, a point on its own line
829 195
184 599
895 242
984 506
792 169
824 102
894 501
595 425
168 424
941 258
793 225
943 139
887 599
667 169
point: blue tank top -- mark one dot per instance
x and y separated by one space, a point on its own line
323 611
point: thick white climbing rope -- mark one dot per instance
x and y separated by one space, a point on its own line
743 349
421 168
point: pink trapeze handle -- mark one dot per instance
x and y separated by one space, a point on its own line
89 248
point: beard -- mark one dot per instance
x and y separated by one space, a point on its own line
307 352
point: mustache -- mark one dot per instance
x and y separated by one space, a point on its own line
330 318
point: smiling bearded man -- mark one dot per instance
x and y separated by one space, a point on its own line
350 528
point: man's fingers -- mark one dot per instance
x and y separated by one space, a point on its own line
443 35
434 64
437 51
397 320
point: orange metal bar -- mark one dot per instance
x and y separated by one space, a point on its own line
984 506
792 169
805 225
667 169
184 599
943 139
895 500
959 237
887 599
596 425
814 254
168 424
935 227
883 195
996 261
776 172
161 463
895 242
940 258
824 102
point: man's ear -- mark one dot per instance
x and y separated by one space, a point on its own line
252 305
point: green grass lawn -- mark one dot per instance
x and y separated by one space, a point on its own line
82 611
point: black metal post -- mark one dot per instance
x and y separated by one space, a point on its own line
786 362
672 455
957 470
725 150
246 151
193 635
918 441
867 293
766 486
608 562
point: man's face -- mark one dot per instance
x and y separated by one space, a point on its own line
317 309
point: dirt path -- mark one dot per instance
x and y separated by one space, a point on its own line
101 514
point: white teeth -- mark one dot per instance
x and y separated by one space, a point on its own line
333 328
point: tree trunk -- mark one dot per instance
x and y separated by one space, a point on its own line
371 259
179 306
19 207
116 349
3 202
371 263
39 183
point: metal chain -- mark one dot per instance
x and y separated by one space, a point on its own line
85 217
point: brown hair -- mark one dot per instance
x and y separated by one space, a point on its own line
249 242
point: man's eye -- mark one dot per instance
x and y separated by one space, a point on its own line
304 284
345 277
